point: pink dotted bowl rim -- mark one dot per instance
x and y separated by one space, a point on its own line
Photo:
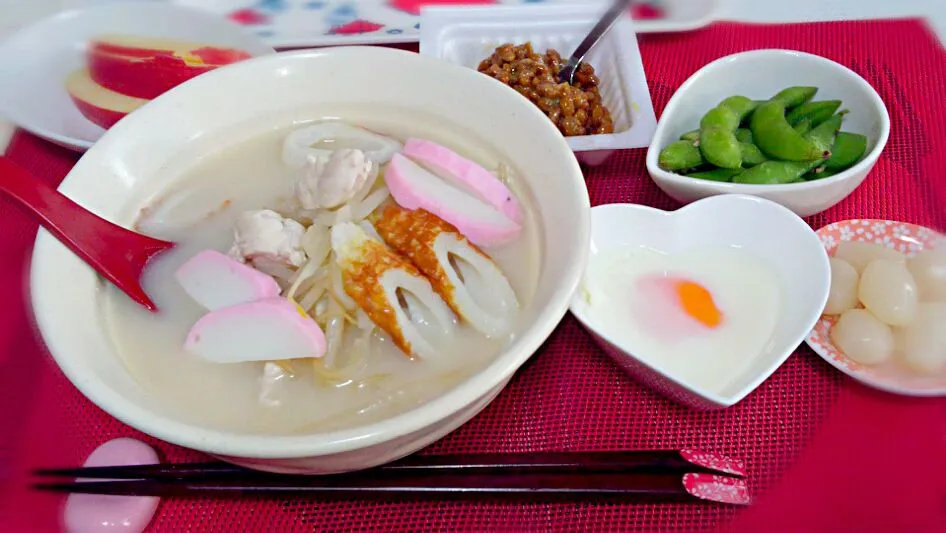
902 236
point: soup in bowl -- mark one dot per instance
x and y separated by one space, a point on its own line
370 244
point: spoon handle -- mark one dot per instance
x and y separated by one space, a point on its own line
114 252
618 8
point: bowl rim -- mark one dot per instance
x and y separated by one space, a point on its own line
861 167
255 446
785 352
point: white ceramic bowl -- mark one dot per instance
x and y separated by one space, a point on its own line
146 151
760 74
35 61
758 226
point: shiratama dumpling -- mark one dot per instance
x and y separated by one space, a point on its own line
843 292
922 344
888 290
863 337
929 271
859 254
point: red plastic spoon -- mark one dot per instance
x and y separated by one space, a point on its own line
118 254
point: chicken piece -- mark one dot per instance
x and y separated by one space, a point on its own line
267 236
330 181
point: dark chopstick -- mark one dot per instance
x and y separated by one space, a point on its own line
662 475
626 487
620 461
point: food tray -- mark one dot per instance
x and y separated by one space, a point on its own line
467 35
304 23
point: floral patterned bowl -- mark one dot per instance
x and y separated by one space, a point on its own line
909 239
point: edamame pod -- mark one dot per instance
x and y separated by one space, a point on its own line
740 106
717 174
743 135
717 138
814 112
823 136
794 96
721 116
847 150
720 147
803 127
680 155
776 137
691 136
773 172
751 155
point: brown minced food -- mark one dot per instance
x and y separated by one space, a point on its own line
576 109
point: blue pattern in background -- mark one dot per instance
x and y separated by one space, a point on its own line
341 15
274 6
314 5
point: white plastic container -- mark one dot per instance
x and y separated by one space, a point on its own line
467 35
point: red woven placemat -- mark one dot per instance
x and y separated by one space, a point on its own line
860 460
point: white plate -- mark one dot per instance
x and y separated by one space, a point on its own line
35 61
303 23
909 239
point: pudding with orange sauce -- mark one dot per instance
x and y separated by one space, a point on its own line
700 317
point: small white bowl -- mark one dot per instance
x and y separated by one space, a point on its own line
35 61
760 74
758 226
148 151
467 35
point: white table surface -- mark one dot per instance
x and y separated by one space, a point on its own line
15 13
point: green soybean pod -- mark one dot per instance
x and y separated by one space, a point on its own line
823 136
716 174
803 127
691 136
751 155
847 150
743 135
680 155
815 112
721 116
776 137
741 106
794 96
720 147
773 173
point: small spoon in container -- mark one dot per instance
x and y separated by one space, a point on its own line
118 254
618 8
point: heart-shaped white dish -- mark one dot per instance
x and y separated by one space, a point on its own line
761 227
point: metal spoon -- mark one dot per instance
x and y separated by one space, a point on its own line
618 8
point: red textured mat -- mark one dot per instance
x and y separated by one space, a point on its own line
825 453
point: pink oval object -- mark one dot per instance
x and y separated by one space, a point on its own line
89 513
466 173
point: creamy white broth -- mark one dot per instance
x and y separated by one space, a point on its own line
199 213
